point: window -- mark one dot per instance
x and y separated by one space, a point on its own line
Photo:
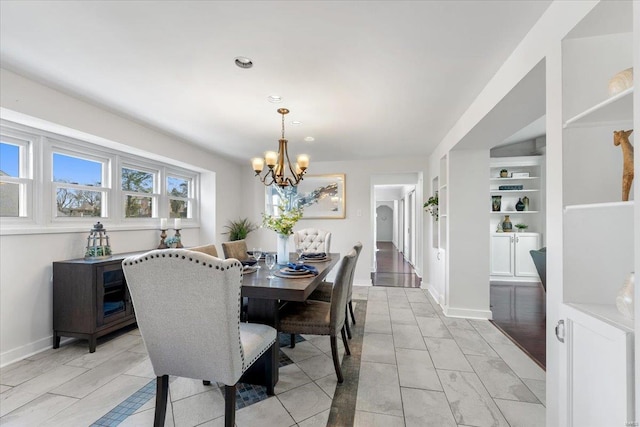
78 186
139 193
178 192
16 183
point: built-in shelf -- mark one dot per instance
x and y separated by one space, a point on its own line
607 313
615 109
513 179
514 212
598 205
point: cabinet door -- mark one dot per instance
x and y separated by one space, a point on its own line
597 359
524 265
502 254
112 297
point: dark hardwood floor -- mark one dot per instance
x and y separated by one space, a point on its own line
392 269
520 311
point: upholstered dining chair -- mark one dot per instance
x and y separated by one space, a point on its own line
236 249
320 317
324 289
188 311
312 240
206 249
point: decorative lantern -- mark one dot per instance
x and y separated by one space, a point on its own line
98 243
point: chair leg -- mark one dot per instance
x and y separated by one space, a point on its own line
162 390
353 318
293 341
345 342
336 361
346 322
229 405
269 370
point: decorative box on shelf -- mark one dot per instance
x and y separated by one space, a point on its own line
510 187
519 174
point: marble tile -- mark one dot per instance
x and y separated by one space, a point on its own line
489 332
426 408
471 342
198 408
539 388
378 348
360 292
416 295
290 376
305 401
379 389
318 366
268 412
456 322
371 419
416 370
522 414
37 411
17 373
469 401
142 369
91 408
423 309
432 327
377 294
91 380
407 336
519 362
323 343
499 379
328 384
446 354
302 350
140 348
396 292
4 388
399 302
181 387
106 351
378 323
12 399
318 420
402 316
218 422
145 418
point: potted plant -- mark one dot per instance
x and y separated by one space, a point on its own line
431 206
239 229
522 227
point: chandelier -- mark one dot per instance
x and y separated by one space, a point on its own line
279 173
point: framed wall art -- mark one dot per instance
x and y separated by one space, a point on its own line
321 197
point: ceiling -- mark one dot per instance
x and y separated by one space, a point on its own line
366 79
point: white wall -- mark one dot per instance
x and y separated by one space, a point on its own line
361 176
25 276
384 221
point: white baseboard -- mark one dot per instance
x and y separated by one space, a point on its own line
356 283
467 313
436 295
28 350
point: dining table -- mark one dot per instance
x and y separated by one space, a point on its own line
266 296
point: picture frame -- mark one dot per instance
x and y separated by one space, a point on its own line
321 197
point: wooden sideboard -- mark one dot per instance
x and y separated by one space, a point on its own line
90 299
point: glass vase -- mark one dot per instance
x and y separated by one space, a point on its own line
283 249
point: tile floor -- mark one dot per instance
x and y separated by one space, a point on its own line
416 368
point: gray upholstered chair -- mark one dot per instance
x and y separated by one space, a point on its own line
236 249
188 310
312 240
320 317
206 249
323 291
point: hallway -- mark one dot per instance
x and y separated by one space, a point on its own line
392 269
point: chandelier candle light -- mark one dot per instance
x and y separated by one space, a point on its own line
278 173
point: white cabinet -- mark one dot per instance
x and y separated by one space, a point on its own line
510 258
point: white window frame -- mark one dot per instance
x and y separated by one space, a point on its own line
27 144
155 195
190 199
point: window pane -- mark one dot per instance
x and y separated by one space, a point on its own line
9 199
71 202
138 181
138 207
177 187
177 208
9 160
75 170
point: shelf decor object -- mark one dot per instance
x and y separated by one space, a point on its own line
625 298
431 206
496 203
621 82
98 246
621 138
520 205
506 224
510 187
525 200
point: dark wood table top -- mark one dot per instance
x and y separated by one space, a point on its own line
256 285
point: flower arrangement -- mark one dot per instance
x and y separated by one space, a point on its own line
171 240
284 223
522 227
